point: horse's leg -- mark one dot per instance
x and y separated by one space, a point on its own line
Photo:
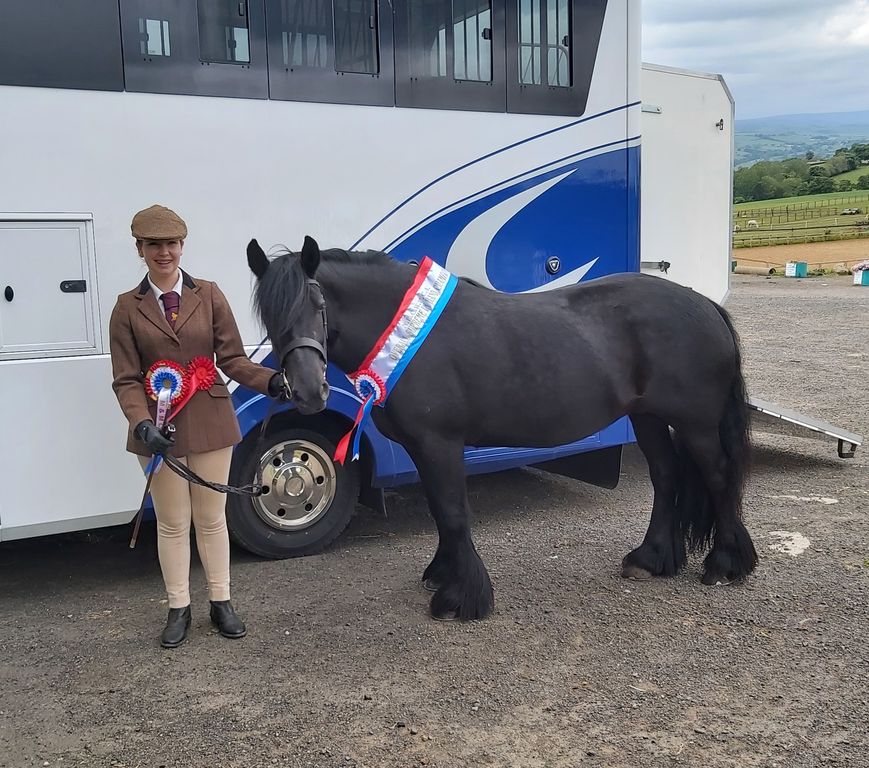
464 590
733 554
662 552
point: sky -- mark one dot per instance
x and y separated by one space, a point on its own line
777 56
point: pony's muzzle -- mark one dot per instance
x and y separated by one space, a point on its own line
308 405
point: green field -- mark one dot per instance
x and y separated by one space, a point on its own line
805 219
858 197
863 170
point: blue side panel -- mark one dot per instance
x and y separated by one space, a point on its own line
590 215
632 221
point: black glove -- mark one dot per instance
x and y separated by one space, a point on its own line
148 433
278 388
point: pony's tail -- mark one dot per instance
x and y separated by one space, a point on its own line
735 426
694 507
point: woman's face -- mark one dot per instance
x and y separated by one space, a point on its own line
162 257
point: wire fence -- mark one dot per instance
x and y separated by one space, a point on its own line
840 217
795 211
758 238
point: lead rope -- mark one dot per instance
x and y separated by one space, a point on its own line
182 470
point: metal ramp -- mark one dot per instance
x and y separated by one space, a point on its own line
773 418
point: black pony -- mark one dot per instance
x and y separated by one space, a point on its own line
533 370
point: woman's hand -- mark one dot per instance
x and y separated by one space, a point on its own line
278 388
156 441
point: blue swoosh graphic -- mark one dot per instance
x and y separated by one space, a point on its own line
579 212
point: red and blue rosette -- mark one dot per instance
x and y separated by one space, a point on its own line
166 382
372 390
166 375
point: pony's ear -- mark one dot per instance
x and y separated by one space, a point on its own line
310 256
257 259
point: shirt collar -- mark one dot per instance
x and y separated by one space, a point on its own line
177 287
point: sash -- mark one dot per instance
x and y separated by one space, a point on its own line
417 314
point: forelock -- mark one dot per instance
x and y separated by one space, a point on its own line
280 294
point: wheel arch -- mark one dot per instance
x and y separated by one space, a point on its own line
376 456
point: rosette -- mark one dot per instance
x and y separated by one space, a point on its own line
201 375
369 384
166 375
372 390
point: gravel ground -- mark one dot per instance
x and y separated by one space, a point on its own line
343 667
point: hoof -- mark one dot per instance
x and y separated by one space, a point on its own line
448 616
653 559
730 562
636 573
431 585
712 580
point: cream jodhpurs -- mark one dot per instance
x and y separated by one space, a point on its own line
176 504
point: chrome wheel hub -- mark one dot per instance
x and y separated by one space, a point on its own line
298 479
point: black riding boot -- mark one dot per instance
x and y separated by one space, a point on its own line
224 617
177 625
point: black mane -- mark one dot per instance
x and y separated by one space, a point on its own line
278 298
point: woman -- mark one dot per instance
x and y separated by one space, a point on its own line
172 316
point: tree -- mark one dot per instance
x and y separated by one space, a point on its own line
863 182
796 168
793 187
810 155
820 184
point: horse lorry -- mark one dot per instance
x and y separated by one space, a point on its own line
507 147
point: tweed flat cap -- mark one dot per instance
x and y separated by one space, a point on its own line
158 223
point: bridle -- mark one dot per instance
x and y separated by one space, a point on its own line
302 341
306 341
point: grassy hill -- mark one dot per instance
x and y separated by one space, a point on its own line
784 136
854 175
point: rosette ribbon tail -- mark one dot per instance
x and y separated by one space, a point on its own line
164 399
354 433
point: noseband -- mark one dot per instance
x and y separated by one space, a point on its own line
305 341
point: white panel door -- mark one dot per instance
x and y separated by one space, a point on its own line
686 178
47 294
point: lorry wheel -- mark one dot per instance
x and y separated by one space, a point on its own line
307 502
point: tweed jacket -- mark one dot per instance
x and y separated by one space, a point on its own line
140 335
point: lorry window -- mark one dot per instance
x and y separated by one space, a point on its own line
335 51
450 54
223 31
62 45
551 50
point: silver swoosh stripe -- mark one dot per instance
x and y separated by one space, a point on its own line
464 255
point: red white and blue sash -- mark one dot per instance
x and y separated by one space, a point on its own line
417 314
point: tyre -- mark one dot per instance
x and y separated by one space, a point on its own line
308 500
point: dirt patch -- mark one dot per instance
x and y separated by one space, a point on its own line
342 667
817 255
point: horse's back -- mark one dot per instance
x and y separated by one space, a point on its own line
682 347
648 304
575 358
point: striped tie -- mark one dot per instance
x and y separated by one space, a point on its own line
171 301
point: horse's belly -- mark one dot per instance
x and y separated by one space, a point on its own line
539 426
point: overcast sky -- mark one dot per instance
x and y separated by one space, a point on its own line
777 56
